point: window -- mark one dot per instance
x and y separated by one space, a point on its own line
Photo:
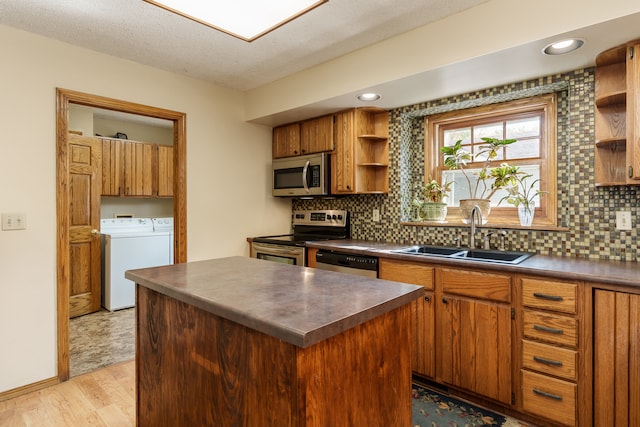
531 121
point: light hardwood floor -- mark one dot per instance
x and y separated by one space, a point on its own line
102 398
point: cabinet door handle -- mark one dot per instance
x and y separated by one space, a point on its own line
547 361
444 300
427 298
548 297
545 394
548 329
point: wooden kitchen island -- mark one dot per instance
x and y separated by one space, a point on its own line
246 342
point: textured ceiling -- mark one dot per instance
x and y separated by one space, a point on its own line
141 32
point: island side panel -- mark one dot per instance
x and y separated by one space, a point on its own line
361 377
195 368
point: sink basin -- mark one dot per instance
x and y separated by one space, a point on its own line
429 250
486 255
494 256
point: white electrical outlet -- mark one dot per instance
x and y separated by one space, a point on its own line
376 215
623 220
14 221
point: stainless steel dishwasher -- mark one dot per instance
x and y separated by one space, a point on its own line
361 265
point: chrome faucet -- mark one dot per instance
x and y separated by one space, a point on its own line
475 212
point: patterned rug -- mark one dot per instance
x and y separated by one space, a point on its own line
431 409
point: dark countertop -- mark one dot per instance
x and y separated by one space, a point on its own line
600 271
299 305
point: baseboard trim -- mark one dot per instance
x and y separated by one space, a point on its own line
10 394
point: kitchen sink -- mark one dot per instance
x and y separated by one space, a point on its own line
485 255
494 256
429 250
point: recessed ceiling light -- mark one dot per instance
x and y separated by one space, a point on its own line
563 46
369 96
244 19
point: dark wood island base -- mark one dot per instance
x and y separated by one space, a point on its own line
195 368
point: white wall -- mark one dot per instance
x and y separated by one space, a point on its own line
228 179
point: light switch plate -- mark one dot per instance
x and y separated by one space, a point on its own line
14 221
623 220
376 215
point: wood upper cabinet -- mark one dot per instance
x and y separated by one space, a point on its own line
422 310
136 169
165 171
617 116
317 135
112 170
474 327
360 164
633 112
138 163
616 396
286 141
343 175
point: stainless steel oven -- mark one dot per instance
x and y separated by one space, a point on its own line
294 255
307 226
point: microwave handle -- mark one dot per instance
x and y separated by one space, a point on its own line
304 176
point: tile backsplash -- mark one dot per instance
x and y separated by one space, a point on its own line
587 211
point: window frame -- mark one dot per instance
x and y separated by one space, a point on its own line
505 214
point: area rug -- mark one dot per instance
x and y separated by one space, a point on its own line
432 409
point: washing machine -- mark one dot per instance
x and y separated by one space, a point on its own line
127 244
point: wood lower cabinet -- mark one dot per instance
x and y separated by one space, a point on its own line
422 310
551 351
474 325
616 396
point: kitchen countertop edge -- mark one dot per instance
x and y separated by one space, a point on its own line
619 273
185 283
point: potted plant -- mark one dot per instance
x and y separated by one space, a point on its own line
522 195
431 206
479 192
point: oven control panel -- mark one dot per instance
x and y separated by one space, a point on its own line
325 218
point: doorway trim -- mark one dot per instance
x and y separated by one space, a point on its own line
65 97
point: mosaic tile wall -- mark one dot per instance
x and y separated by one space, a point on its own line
587 211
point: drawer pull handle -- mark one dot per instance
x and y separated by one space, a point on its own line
547 361
548 297
545 394
548 329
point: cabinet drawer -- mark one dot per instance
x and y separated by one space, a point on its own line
548 359
548 295
495 287
407 272
551 328
549 397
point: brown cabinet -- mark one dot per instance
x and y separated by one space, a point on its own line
136 169
138 164
474 325
286 141
617 126
550 353
616 396
165 171
360 164
317 135
422 310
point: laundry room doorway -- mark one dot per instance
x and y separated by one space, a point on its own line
66 275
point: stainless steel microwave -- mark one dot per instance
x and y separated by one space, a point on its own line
301 176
